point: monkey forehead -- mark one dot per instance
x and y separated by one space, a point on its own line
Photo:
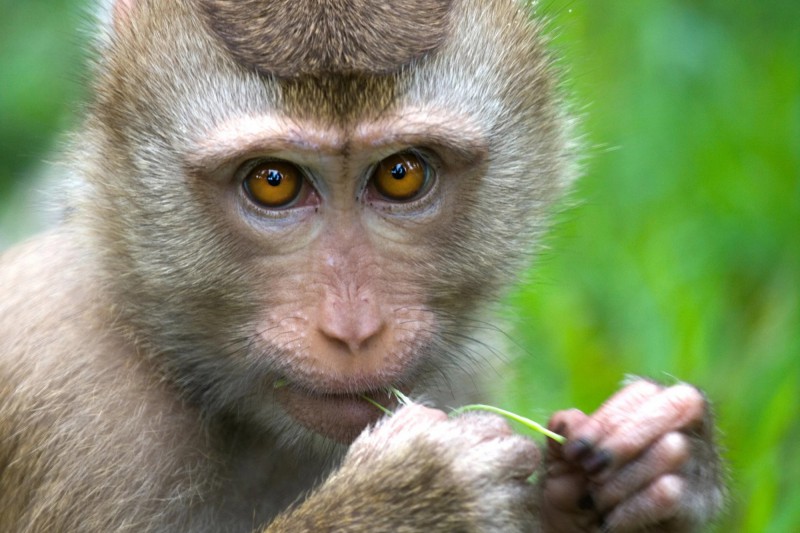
292 38
270 133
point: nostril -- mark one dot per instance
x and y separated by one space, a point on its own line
351 333
340 344
352 324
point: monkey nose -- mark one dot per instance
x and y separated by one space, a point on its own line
354 324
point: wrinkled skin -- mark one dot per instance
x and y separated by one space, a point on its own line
644 461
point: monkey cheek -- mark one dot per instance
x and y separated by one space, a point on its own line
339 417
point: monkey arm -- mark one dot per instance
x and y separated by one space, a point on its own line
420 471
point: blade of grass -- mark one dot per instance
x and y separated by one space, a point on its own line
527 422
402 398
376 404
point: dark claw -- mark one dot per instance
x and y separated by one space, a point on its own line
586 502
596 462
577 449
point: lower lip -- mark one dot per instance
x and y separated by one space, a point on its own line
340 417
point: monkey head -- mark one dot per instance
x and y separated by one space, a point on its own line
313 200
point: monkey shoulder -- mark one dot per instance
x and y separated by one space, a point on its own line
52 319
82 423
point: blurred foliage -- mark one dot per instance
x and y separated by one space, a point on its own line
42 67
682 256
678 253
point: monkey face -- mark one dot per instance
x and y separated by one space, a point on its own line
339 227
333 230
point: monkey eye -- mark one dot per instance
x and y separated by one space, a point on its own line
273 184
401 177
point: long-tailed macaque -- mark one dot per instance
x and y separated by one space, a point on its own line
275 208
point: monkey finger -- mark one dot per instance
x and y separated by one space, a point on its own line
567 492
666 456
586 433
658 503
561 467
566 504
564 423
628 399
675 408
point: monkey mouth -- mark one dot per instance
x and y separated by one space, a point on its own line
338 416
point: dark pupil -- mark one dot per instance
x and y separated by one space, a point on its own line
274 177
399 171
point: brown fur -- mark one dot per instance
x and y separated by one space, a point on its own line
290 39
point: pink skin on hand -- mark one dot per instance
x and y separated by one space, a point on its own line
624 468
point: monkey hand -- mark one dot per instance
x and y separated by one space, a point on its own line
645 461
422 471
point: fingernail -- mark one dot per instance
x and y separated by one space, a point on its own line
596 462
576 449
586 502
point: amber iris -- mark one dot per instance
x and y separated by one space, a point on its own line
400 177
274 184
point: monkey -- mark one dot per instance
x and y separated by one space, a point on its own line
272 211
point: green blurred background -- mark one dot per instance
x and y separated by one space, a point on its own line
678 254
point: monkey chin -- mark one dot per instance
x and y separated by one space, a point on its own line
339 417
